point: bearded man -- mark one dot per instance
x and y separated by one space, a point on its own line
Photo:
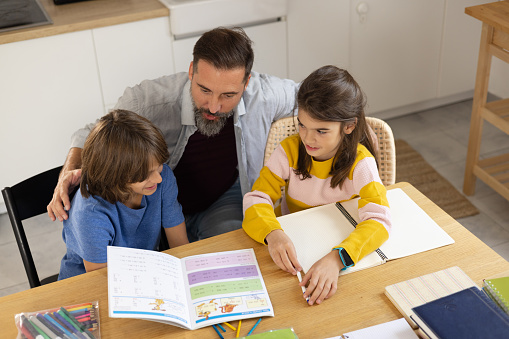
215 120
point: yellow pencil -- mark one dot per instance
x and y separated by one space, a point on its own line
230 326
238 329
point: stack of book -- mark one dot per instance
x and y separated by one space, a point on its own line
447 304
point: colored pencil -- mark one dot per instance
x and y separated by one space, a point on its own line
238 329
45 329
217 331
302 287
230 326
252 329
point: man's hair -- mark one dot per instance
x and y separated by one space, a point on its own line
119 151
332 94
226 49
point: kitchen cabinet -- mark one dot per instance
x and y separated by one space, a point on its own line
269 46
406 55
130 53
459 48
395 50
49 88
318 35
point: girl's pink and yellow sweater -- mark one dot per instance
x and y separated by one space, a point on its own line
363 181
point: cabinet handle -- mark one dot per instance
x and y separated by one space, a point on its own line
362 10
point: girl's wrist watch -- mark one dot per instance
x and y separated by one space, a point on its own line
345 258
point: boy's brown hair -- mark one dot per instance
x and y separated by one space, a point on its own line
119 151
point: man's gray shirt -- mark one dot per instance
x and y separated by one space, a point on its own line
167 102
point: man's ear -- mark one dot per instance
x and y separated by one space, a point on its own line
247 82
350 126
191 71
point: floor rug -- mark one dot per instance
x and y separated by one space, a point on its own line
412 168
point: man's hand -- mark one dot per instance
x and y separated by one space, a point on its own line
60 203
322 278
282 251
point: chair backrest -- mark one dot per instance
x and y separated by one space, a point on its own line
279 130
386 150
25 200
386 156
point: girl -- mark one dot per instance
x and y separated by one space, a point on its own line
126 194
330 160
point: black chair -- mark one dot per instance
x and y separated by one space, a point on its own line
25 200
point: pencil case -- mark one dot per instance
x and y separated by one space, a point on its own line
73 321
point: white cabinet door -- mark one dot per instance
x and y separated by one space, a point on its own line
49 87
318 35
460 48
269 45
395 51
130 53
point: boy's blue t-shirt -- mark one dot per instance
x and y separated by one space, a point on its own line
94 224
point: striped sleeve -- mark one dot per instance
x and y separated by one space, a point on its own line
258 205
374 212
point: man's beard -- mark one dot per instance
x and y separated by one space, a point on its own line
207 127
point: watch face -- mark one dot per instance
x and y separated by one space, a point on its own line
346 258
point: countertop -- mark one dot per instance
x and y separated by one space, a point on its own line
86 15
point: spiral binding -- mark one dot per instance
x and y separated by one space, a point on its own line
354 223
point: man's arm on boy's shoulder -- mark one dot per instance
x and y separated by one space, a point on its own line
69 178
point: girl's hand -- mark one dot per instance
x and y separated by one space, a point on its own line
282 251
322 278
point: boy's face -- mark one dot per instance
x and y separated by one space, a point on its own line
149 185
215 92
321 138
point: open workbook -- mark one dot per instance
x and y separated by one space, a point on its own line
191 292
315 231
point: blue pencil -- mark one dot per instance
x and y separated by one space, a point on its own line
50 325
221 327
217 331
57 324
251 331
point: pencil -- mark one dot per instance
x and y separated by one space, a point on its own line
230 326
252 329
238 329
302 287
221 327
217 331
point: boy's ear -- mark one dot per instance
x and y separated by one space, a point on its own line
350 126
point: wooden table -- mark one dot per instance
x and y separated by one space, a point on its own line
493 171
359 302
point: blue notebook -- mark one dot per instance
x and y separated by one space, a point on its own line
469 313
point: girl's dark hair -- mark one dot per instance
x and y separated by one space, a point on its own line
118 151
332 94
226 49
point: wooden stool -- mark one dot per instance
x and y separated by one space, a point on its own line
494 42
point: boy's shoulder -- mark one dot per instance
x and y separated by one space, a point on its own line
92 204
167 173
91 208
169 181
